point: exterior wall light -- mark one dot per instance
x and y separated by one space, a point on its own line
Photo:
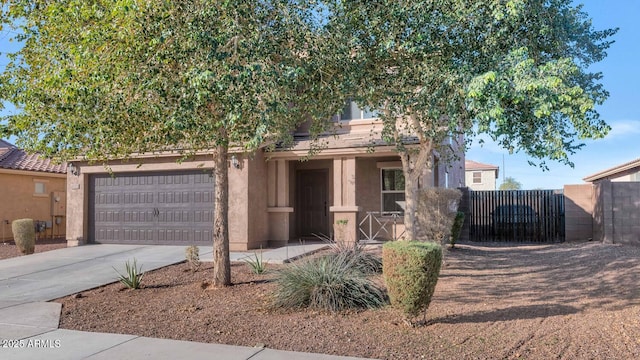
235 162
72 169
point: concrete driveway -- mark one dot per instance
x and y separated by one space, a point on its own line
29 326
53 274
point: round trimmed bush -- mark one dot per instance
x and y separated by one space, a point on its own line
24 235
411 271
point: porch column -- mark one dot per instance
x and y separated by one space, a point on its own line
344 209
279 202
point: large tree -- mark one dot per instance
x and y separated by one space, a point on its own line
510 183
105 79
517 70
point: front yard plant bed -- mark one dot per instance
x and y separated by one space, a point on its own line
566 301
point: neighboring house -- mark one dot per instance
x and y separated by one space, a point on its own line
629 171
31 187
274 197
479 176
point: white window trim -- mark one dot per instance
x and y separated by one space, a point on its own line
339 118
473 177
382 192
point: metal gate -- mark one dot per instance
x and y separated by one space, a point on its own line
516 215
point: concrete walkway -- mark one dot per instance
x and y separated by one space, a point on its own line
29 326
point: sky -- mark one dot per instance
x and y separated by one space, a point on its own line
621 111
621 70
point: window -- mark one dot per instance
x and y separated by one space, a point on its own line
352 112
40 188
635 176
477 177
392 190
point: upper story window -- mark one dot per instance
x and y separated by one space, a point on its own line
352 112
477 177
635 176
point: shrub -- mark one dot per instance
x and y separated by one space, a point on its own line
411 271
192 254
456 229
437 209
24 235
363 260
257 265
132 277
326 283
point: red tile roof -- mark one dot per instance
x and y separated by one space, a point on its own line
13 158
474 165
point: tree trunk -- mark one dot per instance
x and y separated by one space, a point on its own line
413 166
411 207
221 261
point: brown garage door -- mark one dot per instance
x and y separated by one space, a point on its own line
168 208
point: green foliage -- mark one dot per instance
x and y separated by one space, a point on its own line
330 283
105 80
257 265
192 255
445 71
411 271
456 229
132 278
24 235
360 258
437 210
510 183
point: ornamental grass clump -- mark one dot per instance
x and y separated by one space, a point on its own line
132 278
411 271
365 261
192 255
256 264
329 283
24 235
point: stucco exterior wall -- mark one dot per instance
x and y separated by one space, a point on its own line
249 210
452 175
488 180
579 212
19 200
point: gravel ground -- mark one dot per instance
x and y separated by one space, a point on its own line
561 301
8 249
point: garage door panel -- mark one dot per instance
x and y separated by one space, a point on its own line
160 208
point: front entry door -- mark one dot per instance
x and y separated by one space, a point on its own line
312 203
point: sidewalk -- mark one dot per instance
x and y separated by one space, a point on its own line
29 326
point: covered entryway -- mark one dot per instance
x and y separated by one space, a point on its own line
169 208
312 202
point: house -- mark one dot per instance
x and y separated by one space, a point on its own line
31 187
274 197
629 171
479 176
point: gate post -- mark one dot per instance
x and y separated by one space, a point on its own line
464 207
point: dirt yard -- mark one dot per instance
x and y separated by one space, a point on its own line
8 249
566 301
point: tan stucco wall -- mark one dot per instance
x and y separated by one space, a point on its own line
248 218
488 180
579 212
19 201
